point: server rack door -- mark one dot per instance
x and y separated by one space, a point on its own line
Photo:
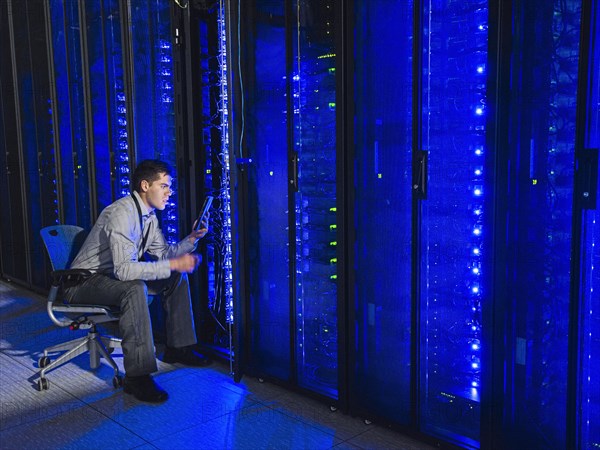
37 151
292 185
153 96
542 125
117 110
98 119
70 109
455 218
381 378
588 379
268 311
70 19
315 207
66 92
14 264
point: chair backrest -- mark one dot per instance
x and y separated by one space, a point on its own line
62 244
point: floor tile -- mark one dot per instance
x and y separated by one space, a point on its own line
193 399
380 438
256 390
256 427
21 403
75 428
306 409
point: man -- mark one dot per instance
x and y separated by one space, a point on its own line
126 230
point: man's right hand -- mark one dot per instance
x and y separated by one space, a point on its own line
185 263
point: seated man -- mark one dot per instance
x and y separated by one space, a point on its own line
126 230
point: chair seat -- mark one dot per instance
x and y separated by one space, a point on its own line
86 308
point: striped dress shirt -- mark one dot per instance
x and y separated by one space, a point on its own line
113 245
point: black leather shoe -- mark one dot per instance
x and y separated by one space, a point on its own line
185 355
145 389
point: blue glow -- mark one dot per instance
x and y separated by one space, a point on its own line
224 195
163 84
314 135
455 268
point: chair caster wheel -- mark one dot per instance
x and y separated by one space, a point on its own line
43 384
44 361
117 381
333 408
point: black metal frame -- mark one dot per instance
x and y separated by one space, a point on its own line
91 154
20 164
494 311
579 204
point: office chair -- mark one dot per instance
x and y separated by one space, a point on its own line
62 244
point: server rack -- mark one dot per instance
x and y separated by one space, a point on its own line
289 314
443 171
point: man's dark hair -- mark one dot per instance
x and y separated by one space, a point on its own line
149 170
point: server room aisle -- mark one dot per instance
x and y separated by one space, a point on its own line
206 409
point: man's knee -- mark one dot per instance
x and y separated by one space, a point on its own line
135 290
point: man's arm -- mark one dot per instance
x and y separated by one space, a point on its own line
159 247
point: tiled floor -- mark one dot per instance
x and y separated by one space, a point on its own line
206 408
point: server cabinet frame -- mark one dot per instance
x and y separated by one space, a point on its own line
244 163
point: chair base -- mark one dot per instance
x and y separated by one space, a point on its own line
93 342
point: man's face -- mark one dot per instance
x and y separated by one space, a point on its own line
157 193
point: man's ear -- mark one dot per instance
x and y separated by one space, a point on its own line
144 185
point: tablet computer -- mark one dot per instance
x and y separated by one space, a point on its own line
203 211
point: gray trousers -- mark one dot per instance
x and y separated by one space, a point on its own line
134 322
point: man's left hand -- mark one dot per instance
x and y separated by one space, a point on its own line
198 234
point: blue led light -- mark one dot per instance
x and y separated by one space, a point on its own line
122 155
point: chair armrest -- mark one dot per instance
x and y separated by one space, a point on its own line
69 277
